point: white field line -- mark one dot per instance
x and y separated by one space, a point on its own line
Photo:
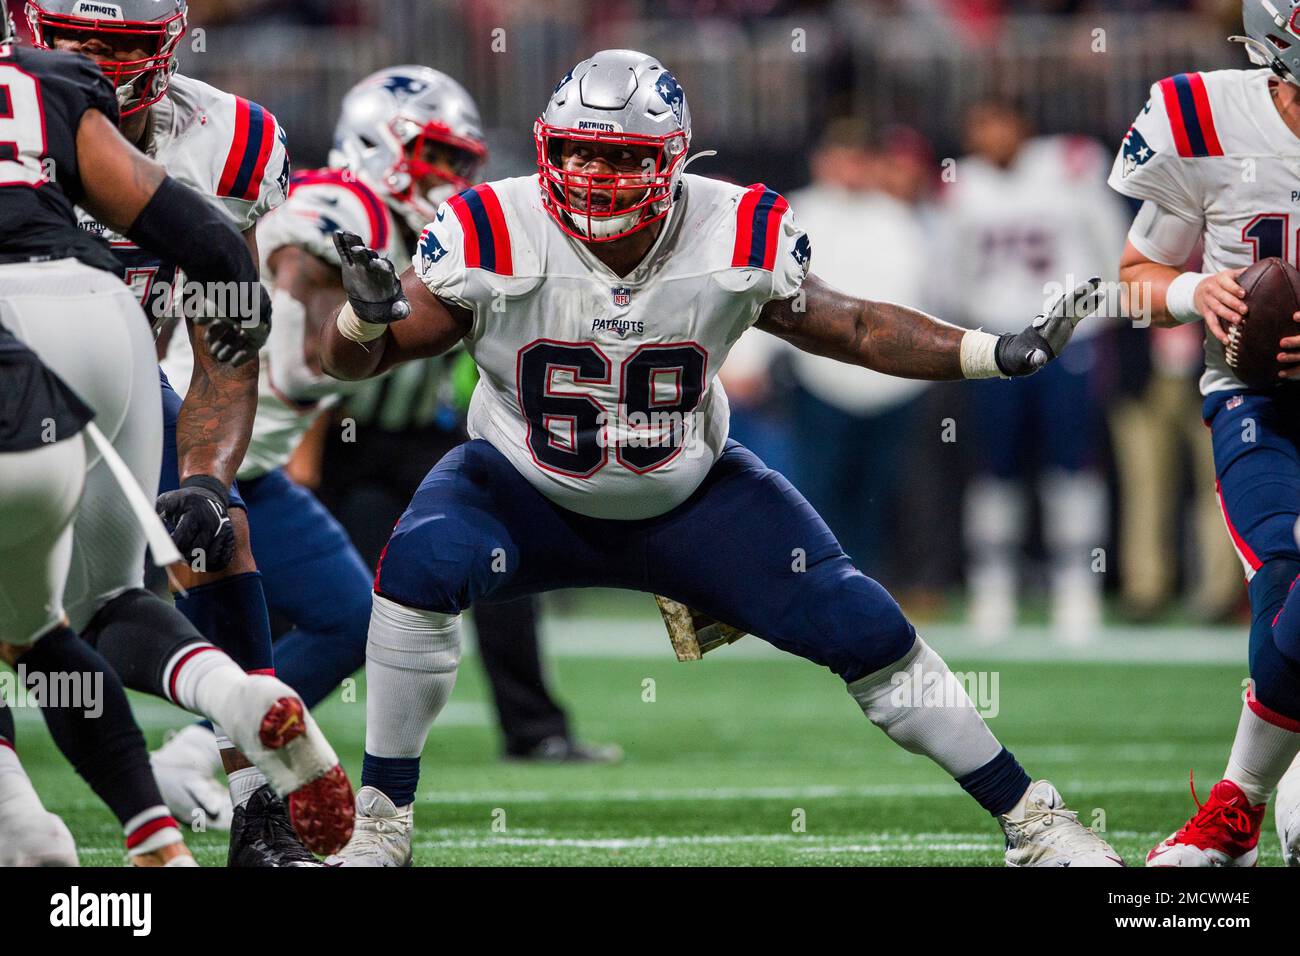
878 842
152 713
874 791
622 638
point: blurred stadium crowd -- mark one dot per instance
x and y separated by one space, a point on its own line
950 154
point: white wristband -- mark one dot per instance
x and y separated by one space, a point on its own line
351 327
1180 298
978 350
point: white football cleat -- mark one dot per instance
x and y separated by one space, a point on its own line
272 727
29 834
1040 831
186 768
381 833
1286 813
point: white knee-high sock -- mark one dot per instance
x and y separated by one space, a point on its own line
411 662
1261 752
924 709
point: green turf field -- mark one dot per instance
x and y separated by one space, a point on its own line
734 752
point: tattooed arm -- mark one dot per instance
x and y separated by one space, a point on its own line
877 335
216 418
896 340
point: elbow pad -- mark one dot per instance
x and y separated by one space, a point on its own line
179 224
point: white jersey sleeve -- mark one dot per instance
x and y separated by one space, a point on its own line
1155 160
252 177
769 253
440 259
321 203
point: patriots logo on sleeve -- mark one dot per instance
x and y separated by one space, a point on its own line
802 253
1136 151
431 250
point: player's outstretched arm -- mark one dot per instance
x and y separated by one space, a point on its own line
907 343
308 292
1175 297
387 319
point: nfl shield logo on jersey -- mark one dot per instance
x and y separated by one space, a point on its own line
622 296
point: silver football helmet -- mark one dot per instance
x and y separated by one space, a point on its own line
407 125
1273 35
617 98
154 26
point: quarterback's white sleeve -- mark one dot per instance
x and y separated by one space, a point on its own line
793 258
1151 164
1163 237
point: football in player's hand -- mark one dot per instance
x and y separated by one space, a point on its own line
1272 298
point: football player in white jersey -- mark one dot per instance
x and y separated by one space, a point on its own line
233 152
599 299
407 138
1002 236
1213 158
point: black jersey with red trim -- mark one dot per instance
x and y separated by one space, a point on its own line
43 95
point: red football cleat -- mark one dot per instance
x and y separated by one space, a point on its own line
1223 832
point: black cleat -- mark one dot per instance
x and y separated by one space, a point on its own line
262 836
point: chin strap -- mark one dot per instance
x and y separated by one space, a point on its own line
700 155
1260 55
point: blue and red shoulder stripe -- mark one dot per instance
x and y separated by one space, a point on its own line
250 150
487 238
1190 117
758 227
376 214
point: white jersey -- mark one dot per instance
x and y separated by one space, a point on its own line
601 389
321 202
226 147
1020 236
1212 149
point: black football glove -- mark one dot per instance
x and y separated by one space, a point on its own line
371 282
233 340
1024 353
197 516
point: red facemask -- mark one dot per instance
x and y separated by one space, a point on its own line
570 196
139 83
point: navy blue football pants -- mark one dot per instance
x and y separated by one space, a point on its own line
745 548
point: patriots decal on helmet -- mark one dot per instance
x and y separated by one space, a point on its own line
671 91
1136 151
402 86
802 252
560 85
431 250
